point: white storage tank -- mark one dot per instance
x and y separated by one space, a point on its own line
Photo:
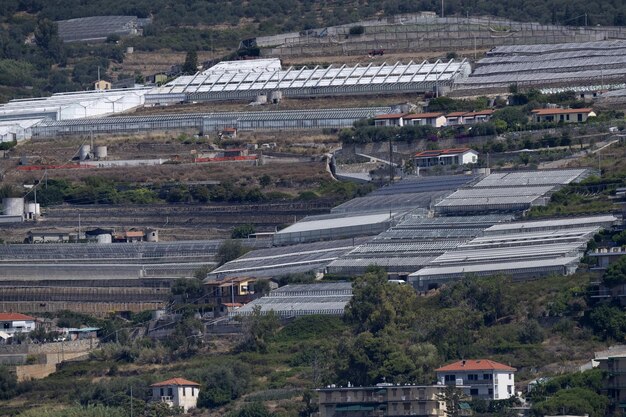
84 152
13 206
104 238
152 235
33 210
101 152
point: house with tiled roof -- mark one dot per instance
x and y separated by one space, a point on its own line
477 116
487 379
12 323
446 157
424 119
562 115
176 392
394 119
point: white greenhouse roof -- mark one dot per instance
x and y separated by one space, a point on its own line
335 223
494 267
465 256
293 78
532 178
551 224
252 65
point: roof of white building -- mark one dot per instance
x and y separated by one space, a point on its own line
476 365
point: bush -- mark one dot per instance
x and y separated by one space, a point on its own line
357 30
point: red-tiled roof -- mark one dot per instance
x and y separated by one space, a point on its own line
478 113
547 112
229 129
440 152
456 114
14 316
389 116
175 381
476 365
422 115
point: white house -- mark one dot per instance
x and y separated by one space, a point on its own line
395 119
425 119
13 323
176 392
477 116
452 156
487 379
562 115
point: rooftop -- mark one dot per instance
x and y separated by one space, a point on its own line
476 365
442 152
176 381
14 316
548 112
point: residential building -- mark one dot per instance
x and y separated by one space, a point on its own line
229 133
453 156
389 120
455 118
231 290
486 379
424 119
176 392
102 85
382 400
12 323
614 364
477 117
562 115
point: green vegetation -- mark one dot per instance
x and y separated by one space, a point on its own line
388 332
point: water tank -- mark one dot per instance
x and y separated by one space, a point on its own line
158 314
13 206
276 96
32 211
104 238
152 235
84 152
101 152
130 49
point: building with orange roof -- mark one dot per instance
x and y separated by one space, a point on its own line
487 379
446 157
477 116
562 115
12 323
425 119
176 392
395 119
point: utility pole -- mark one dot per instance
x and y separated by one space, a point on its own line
390 161
131 401
442 16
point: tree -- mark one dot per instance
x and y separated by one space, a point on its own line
48 40
229 250
376 303
616 274
453 397
574 401
265 180
8 383
242 231
257 329
191 62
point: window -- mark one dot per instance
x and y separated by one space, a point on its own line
488 376
580 117
472 377
170 392
509 389
510 376
184 391
490 391
450 378
474 391
162 392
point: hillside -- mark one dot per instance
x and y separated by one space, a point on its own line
34 61
540 327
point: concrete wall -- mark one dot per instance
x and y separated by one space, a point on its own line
48 348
